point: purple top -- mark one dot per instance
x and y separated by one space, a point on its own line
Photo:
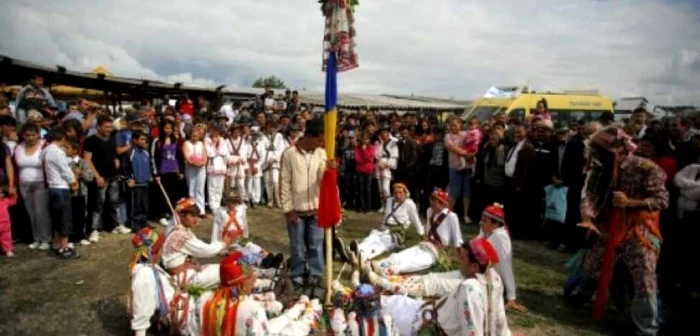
168 161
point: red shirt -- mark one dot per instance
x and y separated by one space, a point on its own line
669 166
364 160
187 107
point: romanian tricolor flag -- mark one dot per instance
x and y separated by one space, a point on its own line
329 198
338 55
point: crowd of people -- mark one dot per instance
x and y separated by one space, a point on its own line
79 172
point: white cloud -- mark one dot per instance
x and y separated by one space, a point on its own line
444 48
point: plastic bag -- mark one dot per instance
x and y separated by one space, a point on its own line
556 203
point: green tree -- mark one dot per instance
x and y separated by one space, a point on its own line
272 82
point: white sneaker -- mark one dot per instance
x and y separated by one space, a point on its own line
94 236
10 254
33 245
467 220
163 221
84 242
44 247
121 229
71 246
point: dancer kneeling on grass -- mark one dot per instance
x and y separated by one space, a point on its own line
151 290
399 213
181 245
493 228
475 307
232 310
232 219
442 230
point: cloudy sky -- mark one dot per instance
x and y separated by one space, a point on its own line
445 48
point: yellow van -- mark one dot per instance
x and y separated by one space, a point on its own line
565 106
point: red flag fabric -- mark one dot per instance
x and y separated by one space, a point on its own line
329 200
607 267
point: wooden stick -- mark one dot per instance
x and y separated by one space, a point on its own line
167 199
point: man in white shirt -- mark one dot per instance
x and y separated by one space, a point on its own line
256 155
61 181
442 231
399 214
237 160
181 244
473 307
273 142
493 228
519 136
386 154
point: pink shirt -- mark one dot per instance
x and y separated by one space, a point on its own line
453 160
5 203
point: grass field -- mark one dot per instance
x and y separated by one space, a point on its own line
42 295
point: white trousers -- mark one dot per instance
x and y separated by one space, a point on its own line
196 177
145 295
208 277
412 259
215 189
254 189
272 183
384 190
405 312
238 184
378 242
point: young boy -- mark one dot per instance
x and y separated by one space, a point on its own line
61 181
84 176
128 125
230 217
138 175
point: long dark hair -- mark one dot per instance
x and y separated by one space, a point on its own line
161 131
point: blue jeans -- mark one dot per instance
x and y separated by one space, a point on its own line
306 246
460 183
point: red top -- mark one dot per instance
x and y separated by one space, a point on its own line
187 107
364 160
669 166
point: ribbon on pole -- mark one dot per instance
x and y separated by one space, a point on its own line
338 55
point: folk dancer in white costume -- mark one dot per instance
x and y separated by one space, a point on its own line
387 156
231 310
399 214
273 142
474 308
181 245
442 231
367 317
218 153
493 228
232 219
255 161
151 290
237 160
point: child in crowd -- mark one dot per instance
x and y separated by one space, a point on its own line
60 180
347 172
195 162
217 151
230 217
83 175
138 175
364 166
471 143
255 160
6 201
